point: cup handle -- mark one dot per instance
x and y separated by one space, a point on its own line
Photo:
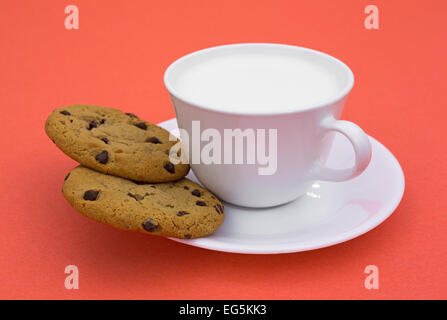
362 148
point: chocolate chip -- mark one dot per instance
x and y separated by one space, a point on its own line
187 236
169 167
91 195
66 177
153 140
219 208
139 182
182 213
131 115
201 203
103 157
105 140
65 113
186 187
141 125
92 124
149 225
102 121
196 193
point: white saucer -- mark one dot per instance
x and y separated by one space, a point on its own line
328 214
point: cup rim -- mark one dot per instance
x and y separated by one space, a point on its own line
339 96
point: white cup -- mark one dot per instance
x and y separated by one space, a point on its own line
304 133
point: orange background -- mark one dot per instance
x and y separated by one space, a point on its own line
117 58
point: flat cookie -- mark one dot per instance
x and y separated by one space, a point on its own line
114 142
180 209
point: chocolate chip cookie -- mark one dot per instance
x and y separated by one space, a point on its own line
180 209
116 143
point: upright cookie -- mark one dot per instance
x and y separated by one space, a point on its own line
180 209
114 142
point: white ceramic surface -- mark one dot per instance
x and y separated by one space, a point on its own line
304 129
327 214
